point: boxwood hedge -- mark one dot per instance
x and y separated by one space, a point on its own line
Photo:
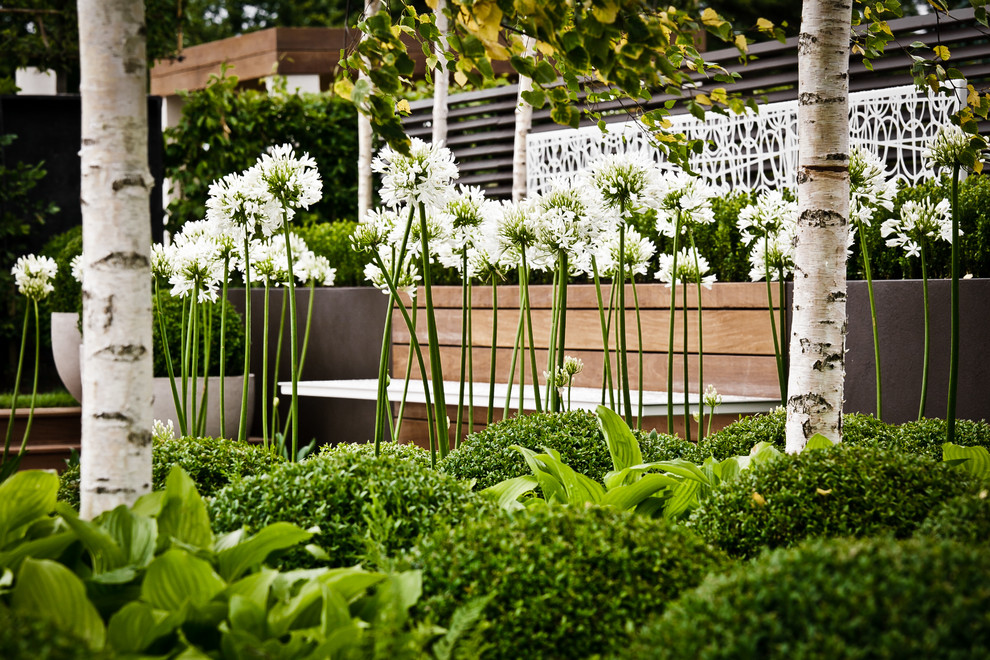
963 518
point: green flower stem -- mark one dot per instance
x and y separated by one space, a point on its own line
639 340
562 322
670 330
873 313
264 365
207 321
465 304
187 343
169 369
194 350
512 363
620 320
242 428
950 408
405 383
382 397
687 411
279 342
782 326
17 385
34 386
532 340
223 337
927 349
551 399
305 346
494 352
470 355
436 368
701 345
607 371
777 343
294 337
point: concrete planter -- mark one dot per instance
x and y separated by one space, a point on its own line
164 404
66 341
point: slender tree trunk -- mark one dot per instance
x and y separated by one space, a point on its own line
817 347
365 140
441 78
116 183
524 120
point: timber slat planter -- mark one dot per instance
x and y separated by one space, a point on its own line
55 432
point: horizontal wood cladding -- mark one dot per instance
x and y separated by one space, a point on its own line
738 345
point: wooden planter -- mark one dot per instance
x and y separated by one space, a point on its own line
738 344
55 432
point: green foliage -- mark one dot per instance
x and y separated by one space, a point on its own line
488 458
333 241
211 463
28 638
965 518
840 491
406 452
67 296
870 598
565 581
926 436
172 309
56 399
223 130
339 491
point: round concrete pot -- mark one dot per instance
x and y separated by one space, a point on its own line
66 342
164 404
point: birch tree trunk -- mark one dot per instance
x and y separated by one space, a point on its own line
116 184
524 121
817 347
365 139
441 78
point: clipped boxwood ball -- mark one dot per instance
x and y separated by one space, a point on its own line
170 309
965 518
340 492
926 436
565 582
738 438
840 491
486 456
409 451
212 463
868 598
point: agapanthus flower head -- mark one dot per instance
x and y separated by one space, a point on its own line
408 272
312 268
770 214
681 200
292 181
515 231
691 268
919 221
240 203
572 365
870 187
162 260
439 229
947 147
425 176
624 182
75 267
771 257
466 208
570 218
638 250
33 276
195 266
374 230
712 398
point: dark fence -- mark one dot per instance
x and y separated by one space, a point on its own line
481 124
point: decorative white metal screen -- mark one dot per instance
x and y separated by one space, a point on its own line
755 151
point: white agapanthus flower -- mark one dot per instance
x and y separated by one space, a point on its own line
639 252
195 266
691 267
408 272
33 276
770 214
292 181
240 203
75 267
773 256
684 199
624 182
919 221
514 232
945 149
870 187
375 229
425 176
439 230
312 268
570 219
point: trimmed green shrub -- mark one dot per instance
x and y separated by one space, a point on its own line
738 438
333 241
408 452
870 598
365 507
564 581
926 436
212 463
29 638
840 491
174 327
965 518
486 456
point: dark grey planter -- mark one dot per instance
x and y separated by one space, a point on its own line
900 316
345 342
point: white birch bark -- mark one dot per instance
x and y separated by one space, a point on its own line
441 77
116 184
524 121
817 346
365 139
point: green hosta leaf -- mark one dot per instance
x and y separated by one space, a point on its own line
686 469
24 498
684 497
234 561
136 625
48 547
553 488
49 591
350 582
578 489
103 550
184 516
246 614
819 441
300 611
630 496
255 587
508 492
729 469
135 534
622 444
975 460
762 452
176 578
